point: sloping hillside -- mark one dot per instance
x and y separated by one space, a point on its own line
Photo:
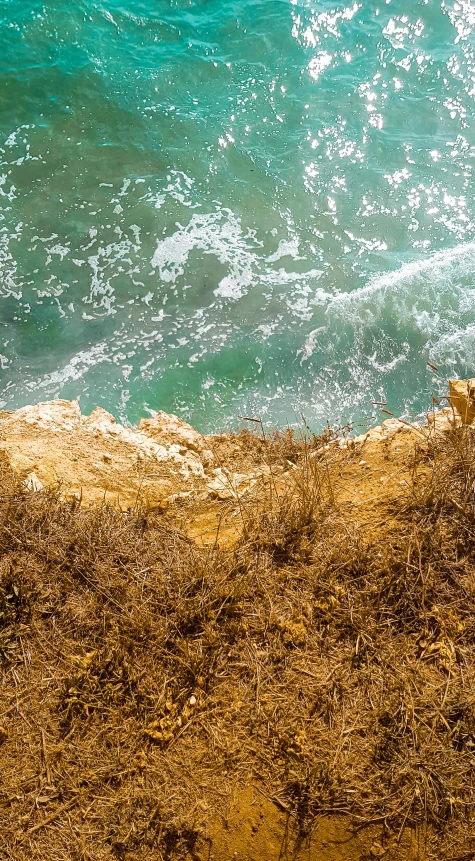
270 656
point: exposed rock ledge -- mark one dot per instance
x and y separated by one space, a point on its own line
95 458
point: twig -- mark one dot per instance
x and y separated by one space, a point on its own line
45 756
56 813
275 800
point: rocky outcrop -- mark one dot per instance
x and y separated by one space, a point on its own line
462 399
170 430
96 458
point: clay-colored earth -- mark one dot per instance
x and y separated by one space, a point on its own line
256 829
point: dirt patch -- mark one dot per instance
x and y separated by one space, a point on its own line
255 828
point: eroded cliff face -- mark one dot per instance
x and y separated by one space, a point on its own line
95 459
233 652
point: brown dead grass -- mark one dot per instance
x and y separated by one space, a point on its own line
144 676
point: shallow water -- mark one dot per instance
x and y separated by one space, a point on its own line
227 208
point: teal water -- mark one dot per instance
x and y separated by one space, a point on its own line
228 207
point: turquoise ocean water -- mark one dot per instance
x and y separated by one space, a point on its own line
221 207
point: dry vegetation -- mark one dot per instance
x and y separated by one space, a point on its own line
142 676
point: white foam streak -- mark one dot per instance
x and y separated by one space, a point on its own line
412 286
431 300
220 234
456 348
8 265
75 369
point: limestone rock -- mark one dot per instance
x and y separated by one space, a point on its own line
53 416
225 486
169 429
154 446
207 457
95 458
32 483
443 420
462 398
221 487
101 421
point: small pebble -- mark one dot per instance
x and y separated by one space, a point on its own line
192 701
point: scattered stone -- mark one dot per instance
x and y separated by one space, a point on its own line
175 497
220 487
207 457
32 483
235 485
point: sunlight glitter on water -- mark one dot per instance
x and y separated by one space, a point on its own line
243 208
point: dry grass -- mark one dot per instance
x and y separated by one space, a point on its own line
143 676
